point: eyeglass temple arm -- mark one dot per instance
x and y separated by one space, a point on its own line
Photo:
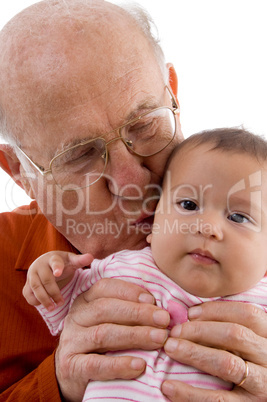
174 102
40 169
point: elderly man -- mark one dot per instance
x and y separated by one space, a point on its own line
90 113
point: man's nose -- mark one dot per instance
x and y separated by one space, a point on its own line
125 172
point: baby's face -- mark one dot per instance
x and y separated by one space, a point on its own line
210 228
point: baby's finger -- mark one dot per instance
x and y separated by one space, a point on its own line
45 300
80 260
57 264
63 264
40 293
45 288
29 295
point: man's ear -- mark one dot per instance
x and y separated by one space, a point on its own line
173 80
10 163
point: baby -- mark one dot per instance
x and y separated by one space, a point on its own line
208 242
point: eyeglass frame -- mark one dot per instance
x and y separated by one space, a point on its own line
175 110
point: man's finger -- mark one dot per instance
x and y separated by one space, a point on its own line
245 314
123 312
105 337
177 391
232 337
119 289
98 368
219 363
254 377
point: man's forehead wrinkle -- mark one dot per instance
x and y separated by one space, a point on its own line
88 131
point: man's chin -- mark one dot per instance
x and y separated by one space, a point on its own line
102 238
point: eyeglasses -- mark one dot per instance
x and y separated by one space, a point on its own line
84 164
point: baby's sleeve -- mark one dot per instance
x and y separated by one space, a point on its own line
81 282
55 319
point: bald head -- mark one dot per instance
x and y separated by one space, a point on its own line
48 48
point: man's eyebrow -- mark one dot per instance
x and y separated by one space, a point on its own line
65 146
144 107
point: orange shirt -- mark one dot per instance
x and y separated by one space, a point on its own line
27 371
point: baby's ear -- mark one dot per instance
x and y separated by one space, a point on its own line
149 238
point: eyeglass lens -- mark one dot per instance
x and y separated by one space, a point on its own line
83 165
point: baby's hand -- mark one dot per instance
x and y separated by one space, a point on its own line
49 273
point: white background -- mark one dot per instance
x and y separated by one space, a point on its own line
218 48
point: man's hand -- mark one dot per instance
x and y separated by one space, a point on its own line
112 315
212 343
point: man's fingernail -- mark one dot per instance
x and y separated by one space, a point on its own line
161 318
171 345
167 388
176 331
146 298
158 336
137 364
194 312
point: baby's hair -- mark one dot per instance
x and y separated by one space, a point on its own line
232 140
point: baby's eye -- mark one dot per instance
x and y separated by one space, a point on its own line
188 205
238 218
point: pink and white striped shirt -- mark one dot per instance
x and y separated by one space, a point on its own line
139 267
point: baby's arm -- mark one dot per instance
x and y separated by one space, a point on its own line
49 273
